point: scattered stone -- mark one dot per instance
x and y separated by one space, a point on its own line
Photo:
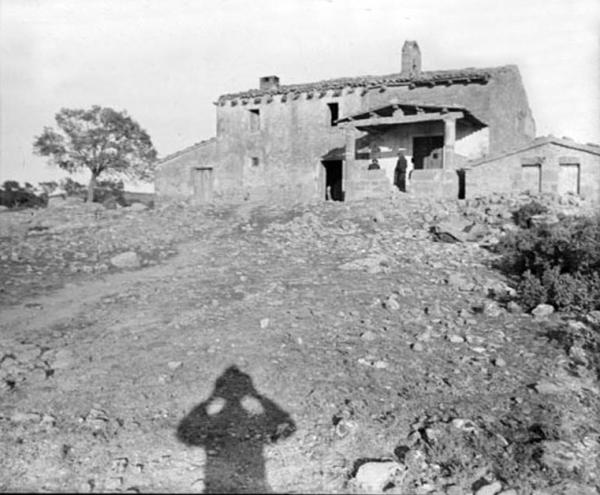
544 220
381 365
593 317
514 307
138 207
511 491
391 303
501 363
464 424
455 339
373 264
129 259
542 311
491 489
264 323
368 336
25 417
63 359
48 420
373 477
417 347
451 230
474 339
174 365
461 282
378 217
113 483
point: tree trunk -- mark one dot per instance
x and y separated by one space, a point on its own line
91 187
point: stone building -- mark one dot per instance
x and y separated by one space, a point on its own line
316 140
546 164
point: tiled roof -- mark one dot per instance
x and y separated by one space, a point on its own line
426 78
535 143
192 147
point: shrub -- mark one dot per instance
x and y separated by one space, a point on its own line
13 195
522 216
558 264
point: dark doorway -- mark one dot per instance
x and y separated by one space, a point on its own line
461 183
427 152
333 180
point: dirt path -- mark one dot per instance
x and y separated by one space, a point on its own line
347 339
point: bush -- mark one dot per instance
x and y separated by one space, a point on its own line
522 216
13 195
558 264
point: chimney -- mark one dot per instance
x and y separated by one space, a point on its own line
267 83
411 59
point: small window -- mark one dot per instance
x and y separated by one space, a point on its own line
254 119
254 161
334 113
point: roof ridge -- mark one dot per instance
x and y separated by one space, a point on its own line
186 149
395 78
534 143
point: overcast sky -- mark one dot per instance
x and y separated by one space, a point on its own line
165 62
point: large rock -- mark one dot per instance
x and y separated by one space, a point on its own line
138 207
544 219
129 259
373 263
373 477
542 311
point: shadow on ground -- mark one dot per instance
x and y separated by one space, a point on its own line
233 425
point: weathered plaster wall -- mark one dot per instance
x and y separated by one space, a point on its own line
294 134
501 103
173 177
505 174
434 183
475 145
282 158
368 184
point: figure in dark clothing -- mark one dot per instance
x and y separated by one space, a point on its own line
374 165
400 172
233 425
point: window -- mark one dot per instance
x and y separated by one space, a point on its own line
334 113
254 161
254 119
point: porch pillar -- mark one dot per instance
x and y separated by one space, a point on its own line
350 155
449 140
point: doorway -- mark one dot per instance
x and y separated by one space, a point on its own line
532 177
427 152
333 180
202 180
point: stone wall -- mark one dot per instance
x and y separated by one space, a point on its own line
173 177
283 156
367 184
434 183
505 174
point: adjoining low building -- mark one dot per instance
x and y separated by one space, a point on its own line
316 140
546 164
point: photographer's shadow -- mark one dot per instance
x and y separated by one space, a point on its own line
233 425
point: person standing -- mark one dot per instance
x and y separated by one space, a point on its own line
400 172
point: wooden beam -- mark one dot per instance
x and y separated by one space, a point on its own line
407 119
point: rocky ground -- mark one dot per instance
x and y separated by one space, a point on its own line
310 348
